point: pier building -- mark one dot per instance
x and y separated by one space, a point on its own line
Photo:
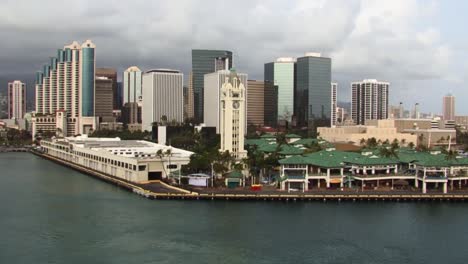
132 160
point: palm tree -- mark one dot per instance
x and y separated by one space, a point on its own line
362 142
281 139
312 147
388 152
403 141
372 142
449 154
395 144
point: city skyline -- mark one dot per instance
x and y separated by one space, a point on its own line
408 43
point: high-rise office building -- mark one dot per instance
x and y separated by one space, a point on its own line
132 85
189 110
369 100
131 114
105 99
334 88
65 91
203 62
281 74
110 73
448 107
212 97
232 105
312 94
163 97
255 102
270 104
16 99
119 96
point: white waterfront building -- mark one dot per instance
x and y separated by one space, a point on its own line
163 91
131 160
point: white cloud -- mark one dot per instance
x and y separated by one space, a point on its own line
392 40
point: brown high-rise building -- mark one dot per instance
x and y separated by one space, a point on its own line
104 99
111 74
255 102
131 113
448 107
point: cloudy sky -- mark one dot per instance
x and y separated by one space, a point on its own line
420 47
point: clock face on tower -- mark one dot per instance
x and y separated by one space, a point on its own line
235 104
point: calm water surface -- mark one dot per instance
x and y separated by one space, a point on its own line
51 214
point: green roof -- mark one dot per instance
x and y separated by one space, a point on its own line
331 159
373 160
338 159
294 160
459 162
434 161
324 159
234 174
268 148
268 136
292 136
290 150
307 141
255 141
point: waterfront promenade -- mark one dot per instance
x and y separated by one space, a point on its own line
161 191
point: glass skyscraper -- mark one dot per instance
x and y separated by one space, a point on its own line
312 93
203 62
87 79
281 74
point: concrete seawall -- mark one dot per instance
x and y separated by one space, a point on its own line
175 193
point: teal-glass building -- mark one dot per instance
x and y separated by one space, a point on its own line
203 62
88 81
281 75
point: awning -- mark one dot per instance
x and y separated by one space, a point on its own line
335 181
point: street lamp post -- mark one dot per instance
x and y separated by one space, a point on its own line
212 176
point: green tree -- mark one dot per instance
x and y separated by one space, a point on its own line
312 147
371 143
362 142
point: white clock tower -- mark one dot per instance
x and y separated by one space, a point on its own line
232 123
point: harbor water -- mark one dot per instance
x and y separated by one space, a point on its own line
52 214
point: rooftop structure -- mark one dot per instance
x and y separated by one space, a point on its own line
383 130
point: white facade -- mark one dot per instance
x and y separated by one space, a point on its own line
448 107
212 99
164 96
369 100
334 88
132 160
59 88
132 82
233 116
16 100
